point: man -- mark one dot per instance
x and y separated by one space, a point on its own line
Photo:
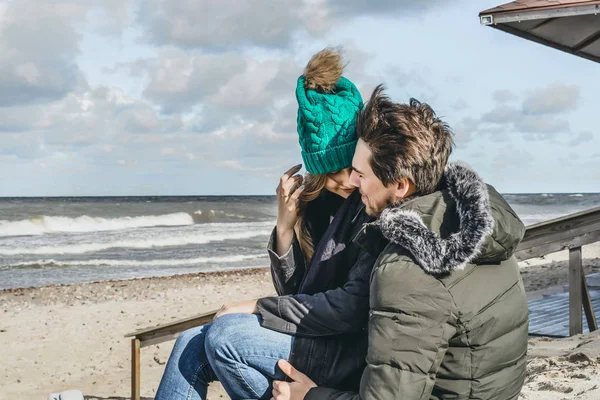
448 315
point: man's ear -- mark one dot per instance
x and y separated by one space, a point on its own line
404 188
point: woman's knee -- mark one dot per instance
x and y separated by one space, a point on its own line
189 355
190 344
229 332
190 335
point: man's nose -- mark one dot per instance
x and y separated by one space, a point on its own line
354 180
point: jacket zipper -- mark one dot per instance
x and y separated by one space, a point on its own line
386 314
362 229
357 214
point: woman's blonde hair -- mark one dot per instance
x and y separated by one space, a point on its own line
314 184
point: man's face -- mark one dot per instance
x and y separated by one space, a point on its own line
375 196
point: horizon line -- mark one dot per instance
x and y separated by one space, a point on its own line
235 195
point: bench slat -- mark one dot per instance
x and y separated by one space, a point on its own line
172 327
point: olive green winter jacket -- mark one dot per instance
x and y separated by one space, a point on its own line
448 315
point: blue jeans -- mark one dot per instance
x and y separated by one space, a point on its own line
235 350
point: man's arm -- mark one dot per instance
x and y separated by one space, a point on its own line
409 328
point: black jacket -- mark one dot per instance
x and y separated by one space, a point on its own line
324 304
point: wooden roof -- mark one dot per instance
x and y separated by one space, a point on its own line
572 26
524 5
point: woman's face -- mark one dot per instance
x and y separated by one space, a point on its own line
339 182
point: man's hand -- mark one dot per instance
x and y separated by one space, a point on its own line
241 307
291 390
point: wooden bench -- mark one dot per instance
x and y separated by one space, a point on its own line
156 335
570 232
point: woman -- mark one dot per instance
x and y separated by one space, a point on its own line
317 321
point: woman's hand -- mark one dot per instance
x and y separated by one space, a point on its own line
296 390
240 307
288 191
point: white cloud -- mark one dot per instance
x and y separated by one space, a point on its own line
30 70
180 80
583 137
237 165
555 98
345 8
504 96
501 114
256 91
224 24
539 116
168 152
541 124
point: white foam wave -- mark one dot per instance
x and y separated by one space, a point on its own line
145 243
45 224
135 263
576 195
215 214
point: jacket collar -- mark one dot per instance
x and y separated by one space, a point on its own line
401 224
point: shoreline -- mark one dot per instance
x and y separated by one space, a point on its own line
227 272
553 261
555 266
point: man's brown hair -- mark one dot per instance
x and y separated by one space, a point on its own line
406 141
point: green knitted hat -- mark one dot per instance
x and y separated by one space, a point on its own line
327 125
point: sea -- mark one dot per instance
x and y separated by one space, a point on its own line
63 240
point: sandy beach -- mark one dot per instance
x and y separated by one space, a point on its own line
71 337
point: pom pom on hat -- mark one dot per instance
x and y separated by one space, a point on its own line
323 71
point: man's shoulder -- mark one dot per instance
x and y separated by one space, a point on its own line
395 263
399 282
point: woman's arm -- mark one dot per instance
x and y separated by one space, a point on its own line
341 310
287 268
284 239
287 262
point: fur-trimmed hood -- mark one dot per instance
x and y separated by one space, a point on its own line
465 221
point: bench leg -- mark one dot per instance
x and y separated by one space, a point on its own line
587 306
575 292
135 369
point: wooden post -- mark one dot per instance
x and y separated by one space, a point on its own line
135 369
575 291
587 305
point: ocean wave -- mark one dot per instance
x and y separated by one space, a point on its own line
142 243
209 216
131 263
576 195
46 224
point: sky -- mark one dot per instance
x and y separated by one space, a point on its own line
196 97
